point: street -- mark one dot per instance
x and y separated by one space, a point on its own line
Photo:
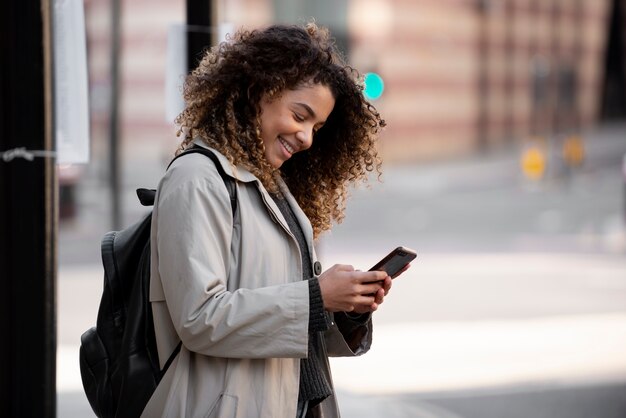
514 307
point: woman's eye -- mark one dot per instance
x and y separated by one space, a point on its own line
298 117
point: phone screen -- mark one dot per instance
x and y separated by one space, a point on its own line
395 260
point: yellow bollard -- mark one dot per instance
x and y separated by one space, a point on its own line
573 151
533 163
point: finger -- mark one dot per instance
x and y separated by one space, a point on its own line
387 285
370 276
383 294
370 288
344 267
380 296
366 308
365 300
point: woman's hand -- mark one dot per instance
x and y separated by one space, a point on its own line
348 290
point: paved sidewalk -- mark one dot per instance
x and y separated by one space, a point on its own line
453 323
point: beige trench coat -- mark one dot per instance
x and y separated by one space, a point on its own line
232 291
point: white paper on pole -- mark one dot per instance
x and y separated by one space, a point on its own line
175 70
177 65
70 82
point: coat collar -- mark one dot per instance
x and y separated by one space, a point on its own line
239 173
242 174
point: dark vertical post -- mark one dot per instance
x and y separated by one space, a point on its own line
576 57
200 30
537 75
27 213
613 105
556 110
114 141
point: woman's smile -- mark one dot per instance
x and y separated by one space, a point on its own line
290 150
289 121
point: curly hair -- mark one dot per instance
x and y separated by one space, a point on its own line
223 94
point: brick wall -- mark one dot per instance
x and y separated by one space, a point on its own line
458 73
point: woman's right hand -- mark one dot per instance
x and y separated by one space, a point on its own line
345 289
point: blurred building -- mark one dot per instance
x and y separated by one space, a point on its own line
460 75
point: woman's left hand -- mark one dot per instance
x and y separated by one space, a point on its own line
378 298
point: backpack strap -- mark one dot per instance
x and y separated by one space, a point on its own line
146 196
228 180
171 359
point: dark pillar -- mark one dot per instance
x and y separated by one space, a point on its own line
614 89
27 213
201 31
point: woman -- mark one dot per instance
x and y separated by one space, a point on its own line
244 292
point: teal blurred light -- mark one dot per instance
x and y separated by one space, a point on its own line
374 86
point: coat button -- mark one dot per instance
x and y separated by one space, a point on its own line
317 268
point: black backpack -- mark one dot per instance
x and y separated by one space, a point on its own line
119 364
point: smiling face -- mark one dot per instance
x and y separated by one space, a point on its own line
288 122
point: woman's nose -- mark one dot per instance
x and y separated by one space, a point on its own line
305 137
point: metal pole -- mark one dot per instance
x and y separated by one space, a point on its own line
114 170
556 66
28 202
577 58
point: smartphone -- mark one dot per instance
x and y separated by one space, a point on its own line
395 261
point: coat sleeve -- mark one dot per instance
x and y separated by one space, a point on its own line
347 338
193 236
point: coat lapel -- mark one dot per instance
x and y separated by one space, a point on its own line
304 222
243 175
